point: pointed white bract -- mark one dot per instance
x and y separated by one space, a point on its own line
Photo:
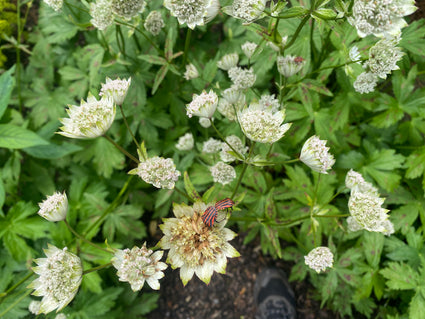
289 65
54 4
249 48
128 9
228 61
115 89
202 105
316 155
186 142
54 208
193 12
102 15
223 173
139 265
319 259
194 247
154 23
60 275
191 72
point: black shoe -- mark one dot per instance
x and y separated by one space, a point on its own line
274 296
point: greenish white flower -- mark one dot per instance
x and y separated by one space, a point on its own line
54 4
139 265
354 54
202 105
247 10
54 208
128 9
289 65
237 145
34 307
60 275
102 15
204 122
228 61
60 316
249 48
222 173
154 23
365 82
355 181
242 78
211 146
319 259
267 102
193 12
89 120
383 57
194 247
191 72
186 142
316 155
116 89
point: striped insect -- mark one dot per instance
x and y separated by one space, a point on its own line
209 216
224 204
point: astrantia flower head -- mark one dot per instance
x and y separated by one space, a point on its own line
54 4
186 142
289 65
89 120
242 78
380 17
54 208
249 48
194 247
383 57
138 265
102 15
193 12
262 126
211 146
228 61
202 105
154 23
191 72
60 276
116 89
223 173
158 171
60 316
268 102
352 225
247 10
365 82
204 122
34 307
128 9
238 146
355 181
316 155
232 101
319 259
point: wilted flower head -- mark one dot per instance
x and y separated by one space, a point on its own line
186 142
34 307
191 72
54 208
247 10
116 89
262 126
242 78
316 155
222 173
228 61
383 57
54 4
138 265
60 276
102 15
202 105
319 259
194 247
128 9
205 122
211 146
249 48
380 17
91 119
365 82
158 171
193 12
237 144
289 65
154 23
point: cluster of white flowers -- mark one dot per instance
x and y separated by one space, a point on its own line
186 142
117 89
380 17
319 259
237 145
60 276
191 72
128 9
228 61
223 173
202 105
158 171
138 265
101 13
54 208
316 155
249 48
154 23
54 4
247 10
193 12
365 206
211 146
34 307
383 57
289 65
365 82
267 102
231 102
242 78
194 247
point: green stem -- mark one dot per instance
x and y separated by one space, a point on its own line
224 140
15 302
121 149
297 32
120 39
20 282
186 45
131 132
142 33
245 166
289 161
85 272
84 239
270 151
316 188
18 54
182 193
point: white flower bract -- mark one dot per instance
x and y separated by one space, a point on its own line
222 173
319 259
242 78
186 142
102 15
249 48
54 208
365 82
128 9
316 155
205 122
289 65
154 23
202 105
228 61
116 89
191 72
354 54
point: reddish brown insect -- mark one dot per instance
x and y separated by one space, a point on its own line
209 216
298 59
224 204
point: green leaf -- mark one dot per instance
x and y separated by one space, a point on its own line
7 82
190 189
400 276
316 86
162 72
153 59
373 245
206 196
325 14
416 163
52 151
293 12
15 137
417 305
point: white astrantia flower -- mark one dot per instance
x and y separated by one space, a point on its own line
380 17
261 125
89 120
247 10
319 259
204 122
383 57
352 225
242 78
238 146
316 155
191 72
102 15
365 82
289 65
228 61
60 316
202 105
211 146
388 227
194 247
354 54
222 173
60 276
229 109
116 89
355 181
154 23
193 12
268 102
128 9
34 307
276 47
186 142
249 48
54 208
158 171
54 4
139 265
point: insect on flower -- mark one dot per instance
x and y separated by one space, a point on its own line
224 204
209 216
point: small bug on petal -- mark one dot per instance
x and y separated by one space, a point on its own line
224 204
209 216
